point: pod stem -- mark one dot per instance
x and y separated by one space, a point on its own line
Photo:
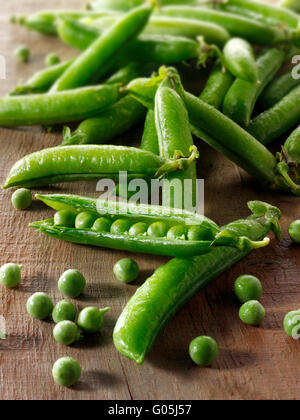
243 243
69 138
179 162
207 51
285 171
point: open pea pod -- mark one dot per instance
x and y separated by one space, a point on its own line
139 228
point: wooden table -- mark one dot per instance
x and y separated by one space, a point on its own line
254 363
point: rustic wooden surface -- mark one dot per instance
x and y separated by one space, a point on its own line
254 363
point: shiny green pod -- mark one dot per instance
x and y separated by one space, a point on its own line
239 59
291 4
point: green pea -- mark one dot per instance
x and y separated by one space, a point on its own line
291 324
10 274
39 305
120 226
66 371
52 60
247 287
22 53
64 311
65 218
203 350
66 332
158 229
200 233
71 283
21 199
85 220
91 319
294 231
102 224
126 270
177 232
138 229
252 313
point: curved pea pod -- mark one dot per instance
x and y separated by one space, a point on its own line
87 162
145 242
58 107
291 148
291 4
150 139
173 284
239 59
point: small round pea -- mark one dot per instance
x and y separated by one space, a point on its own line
64 311
126 270
85 220
21 199
71 283
247 287
90 319
291 323
51 60
39 305
22 53
294 231
65 218
177 232
120 226
66 332
252 313
10 274
200 233
158 230
203 350
66 371
139 228
102 224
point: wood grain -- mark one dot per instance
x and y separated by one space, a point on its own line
254 363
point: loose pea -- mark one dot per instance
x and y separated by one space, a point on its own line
158 229
200 233
177 232
138 229
21 199
65 218
85 220
66 332
51 60
10 275
294 231
91 319
247 287
203 350
39 305
126 270
71 283
120 226
291 324
66 371
22 53
102 224
252 313
64 311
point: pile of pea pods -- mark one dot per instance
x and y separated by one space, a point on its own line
126 74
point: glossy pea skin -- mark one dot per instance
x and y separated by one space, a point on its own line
65 218
91 319
66 332
239 59
85 220
177 232
158 230
21 199
39 305
291 148
139 228
52 60
22 53
71 283
247 287
10 275
252 313
66 371
294 231
64 311
120 226
291 322
102 224
199 233
203 350
126 270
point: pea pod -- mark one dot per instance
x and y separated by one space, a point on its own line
291 4
291 148
173 284
242 96
125 5
240 61
159 221
95 60
150 140
57 107
85 162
